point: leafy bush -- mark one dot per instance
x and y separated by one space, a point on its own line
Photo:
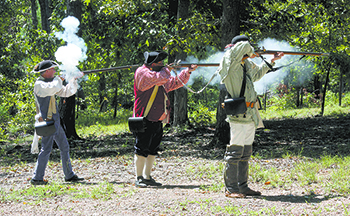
200 115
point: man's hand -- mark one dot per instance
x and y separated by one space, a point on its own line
170 66
277 56
81 74
255 55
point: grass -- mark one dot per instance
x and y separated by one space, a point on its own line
327 175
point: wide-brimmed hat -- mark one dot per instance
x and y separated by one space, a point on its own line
155 56
240 38
44 65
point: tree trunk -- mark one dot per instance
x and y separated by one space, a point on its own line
101 87
317 86
115 98
180 95
341 86
325 89
67 105
34 16
172 12
229 28
298 97
222 131
45 15
67 114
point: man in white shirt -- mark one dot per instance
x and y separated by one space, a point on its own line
242 126
45 88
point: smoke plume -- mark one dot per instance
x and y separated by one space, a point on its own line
269 79
73 52
264 84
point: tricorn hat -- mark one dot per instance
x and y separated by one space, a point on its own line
155 56
44 65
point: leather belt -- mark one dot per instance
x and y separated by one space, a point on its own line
250 104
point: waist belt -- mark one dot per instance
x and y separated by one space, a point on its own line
250 104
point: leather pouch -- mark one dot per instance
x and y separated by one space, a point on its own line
45 128
137 124
234 106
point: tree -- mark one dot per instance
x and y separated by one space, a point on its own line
45 10
230 27
180 95
67 105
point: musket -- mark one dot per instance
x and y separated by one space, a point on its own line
110 69
178 64
259 51
263 51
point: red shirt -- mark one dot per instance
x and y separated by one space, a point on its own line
144 82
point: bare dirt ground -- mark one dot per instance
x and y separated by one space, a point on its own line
186 167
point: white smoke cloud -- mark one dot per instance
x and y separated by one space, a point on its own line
73 52
269 79
205 73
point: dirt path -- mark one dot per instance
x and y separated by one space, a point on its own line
190 172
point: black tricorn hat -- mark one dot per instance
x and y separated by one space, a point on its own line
44 65
239 38
155 56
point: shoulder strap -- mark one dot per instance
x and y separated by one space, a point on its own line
244 81
151 99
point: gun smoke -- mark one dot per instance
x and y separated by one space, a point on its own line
270 80
73 52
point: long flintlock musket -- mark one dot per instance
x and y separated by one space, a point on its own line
259 51
110 69
263 51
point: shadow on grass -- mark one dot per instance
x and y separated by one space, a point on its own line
309 137
297 199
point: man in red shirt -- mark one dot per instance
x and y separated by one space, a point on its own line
153 73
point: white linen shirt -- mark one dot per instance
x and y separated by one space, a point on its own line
55 87
231 72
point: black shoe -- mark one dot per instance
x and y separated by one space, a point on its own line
152 182
38 182
250 192
140 182
75 178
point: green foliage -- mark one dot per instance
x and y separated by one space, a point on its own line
202 116
94 123
118 32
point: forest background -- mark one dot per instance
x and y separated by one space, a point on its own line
300 161
117 33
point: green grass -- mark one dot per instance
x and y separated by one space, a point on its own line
94 123
328 174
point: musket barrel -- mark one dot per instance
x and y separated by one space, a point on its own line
262 52
110 69
198 64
